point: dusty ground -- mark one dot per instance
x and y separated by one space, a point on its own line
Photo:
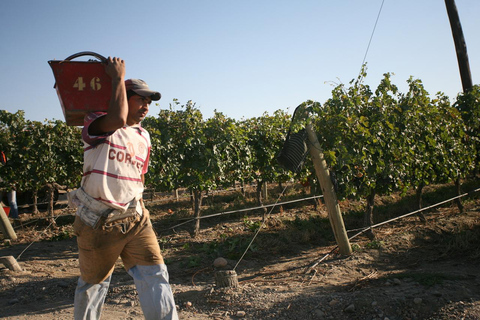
412 270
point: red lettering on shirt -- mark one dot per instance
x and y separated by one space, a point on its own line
120 156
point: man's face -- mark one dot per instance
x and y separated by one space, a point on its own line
137 108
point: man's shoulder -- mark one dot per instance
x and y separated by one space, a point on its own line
92 116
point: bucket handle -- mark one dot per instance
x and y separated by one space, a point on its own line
87 53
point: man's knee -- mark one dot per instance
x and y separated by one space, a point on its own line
95 278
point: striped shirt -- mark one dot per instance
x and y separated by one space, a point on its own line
114 163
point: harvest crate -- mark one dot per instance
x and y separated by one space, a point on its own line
82 86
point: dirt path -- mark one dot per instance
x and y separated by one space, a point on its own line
411 271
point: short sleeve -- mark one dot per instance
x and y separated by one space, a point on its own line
87 121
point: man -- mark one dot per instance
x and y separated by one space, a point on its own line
111 218
11 195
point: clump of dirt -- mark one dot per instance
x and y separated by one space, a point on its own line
292 270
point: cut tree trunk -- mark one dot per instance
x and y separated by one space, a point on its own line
226 278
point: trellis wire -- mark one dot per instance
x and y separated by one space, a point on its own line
242 210
268 215
371 37
362 230
54 220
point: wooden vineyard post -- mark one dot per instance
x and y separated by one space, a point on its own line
333 208
11 263
5 226
460 45
265 191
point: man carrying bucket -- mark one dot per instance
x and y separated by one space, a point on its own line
111 218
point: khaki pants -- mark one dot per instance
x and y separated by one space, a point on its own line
132 239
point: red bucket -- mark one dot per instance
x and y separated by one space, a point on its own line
82 86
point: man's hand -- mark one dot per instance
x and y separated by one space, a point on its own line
115 68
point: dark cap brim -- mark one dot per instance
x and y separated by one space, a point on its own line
154 95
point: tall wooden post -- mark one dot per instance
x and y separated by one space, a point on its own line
460 45
333 208
5 226
463 64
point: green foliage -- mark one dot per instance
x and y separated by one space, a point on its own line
68 151
62 235
361 142
266 135
179 149
468 104
211 248
251 225
378 142
229 247
39 153
435 133
233 248
11 129
305 229
194 261
190 152
356 247
374 245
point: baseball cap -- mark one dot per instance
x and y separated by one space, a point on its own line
141 88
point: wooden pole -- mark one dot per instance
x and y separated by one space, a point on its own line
460 45
333 208
11 263
5 225
265 191
463 64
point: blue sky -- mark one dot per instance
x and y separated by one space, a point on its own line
241 58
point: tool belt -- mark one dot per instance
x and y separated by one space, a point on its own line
95 213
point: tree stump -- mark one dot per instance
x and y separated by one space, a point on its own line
10 263
226 278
